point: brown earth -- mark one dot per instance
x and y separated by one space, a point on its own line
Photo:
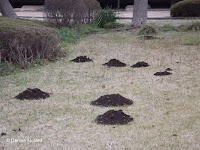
112 100
140 64
31 94
82 59
114 117
115 63
165 73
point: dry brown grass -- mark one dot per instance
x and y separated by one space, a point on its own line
173 22
163 106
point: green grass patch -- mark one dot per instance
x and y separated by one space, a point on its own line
192 39
6 68
105 16
69 35
72 35
112 25
168 27
148 30
195 26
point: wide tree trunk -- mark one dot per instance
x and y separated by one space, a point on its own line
6 9
139 13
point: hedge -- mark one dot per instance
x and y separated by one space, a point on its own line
186 8
23 41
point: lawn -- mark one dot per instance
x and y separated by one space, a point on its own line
165 108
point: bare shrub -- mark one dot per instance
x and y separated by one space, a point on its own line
93 8
71 12
22 41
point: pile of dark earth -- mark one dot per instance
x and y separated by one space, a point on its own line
31 94
112 100
168 69
82 59
165 73
114 117
3 134
115 63
140 64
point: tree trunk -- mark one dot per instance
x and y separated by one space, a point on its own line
6 9
139 13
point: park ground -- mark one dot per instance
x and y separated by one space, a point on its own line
165 110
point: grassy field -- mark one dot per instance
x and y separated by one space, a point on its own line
166 109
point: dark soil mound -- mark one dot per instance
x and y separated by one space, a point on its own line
31 94
168 69
82 59
3 134
115 63
112 100
162 73
140 64
113 117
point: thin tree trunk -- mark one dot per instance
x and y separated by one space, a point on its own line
139 13
6 9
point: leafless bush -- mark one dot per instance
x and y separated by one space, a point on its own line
93 8
25 43
25 52
71 12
